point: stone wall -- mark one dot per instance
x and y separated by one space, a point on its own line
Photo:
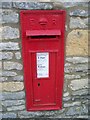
12 91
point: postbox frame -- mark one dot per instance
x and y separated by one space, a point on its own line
28 84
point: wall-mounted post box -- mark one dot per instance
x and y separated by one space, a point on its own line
42 34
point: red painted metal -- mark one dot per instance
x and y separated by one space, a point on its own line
43 31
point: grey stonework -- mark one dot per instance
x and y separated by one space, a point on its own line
66 99
18 55
12 65
77 68
17 78
15 108
46 114
77 110
79 12
72 104
6 55
9 115
73 111
78 23
32 5
79 84
25 114
7 73
80 92
9 46
74 4
8 103
70 77
12 96
3 79
5 4
8 16
8 32
0 65
75 60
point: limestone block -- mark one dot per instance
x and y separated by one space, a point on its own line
12 65
8 73
79 12
18 55
77 22
16 108
9 46
79 84
77 43
11 86
8 103
8 16
12 95
9 115
6 55
8 32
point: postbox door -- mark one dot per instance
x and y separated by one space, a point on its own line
44 67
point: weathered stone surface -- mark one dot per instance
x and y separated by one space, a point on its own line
85 102
0 106
8 32
18 55
83 67
69 77
67 64
1 97
8 16
0 65
18 78
80 97
0 116
72 111
12 96
57 5
12 65
78 23
6 55
66 94
32 5
25 114
9 115
9 46
79 12
8 73
16 108
65 99
77 43
65 85
3 79
12 86
72 4
72 104
80 92
0 87
79 84
75 60
7 103
6 4
84 109
77 68
42 0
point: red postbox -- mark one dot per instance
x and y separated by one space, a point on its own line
42 34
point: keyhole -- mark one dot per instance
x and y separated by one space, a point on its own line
38 84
